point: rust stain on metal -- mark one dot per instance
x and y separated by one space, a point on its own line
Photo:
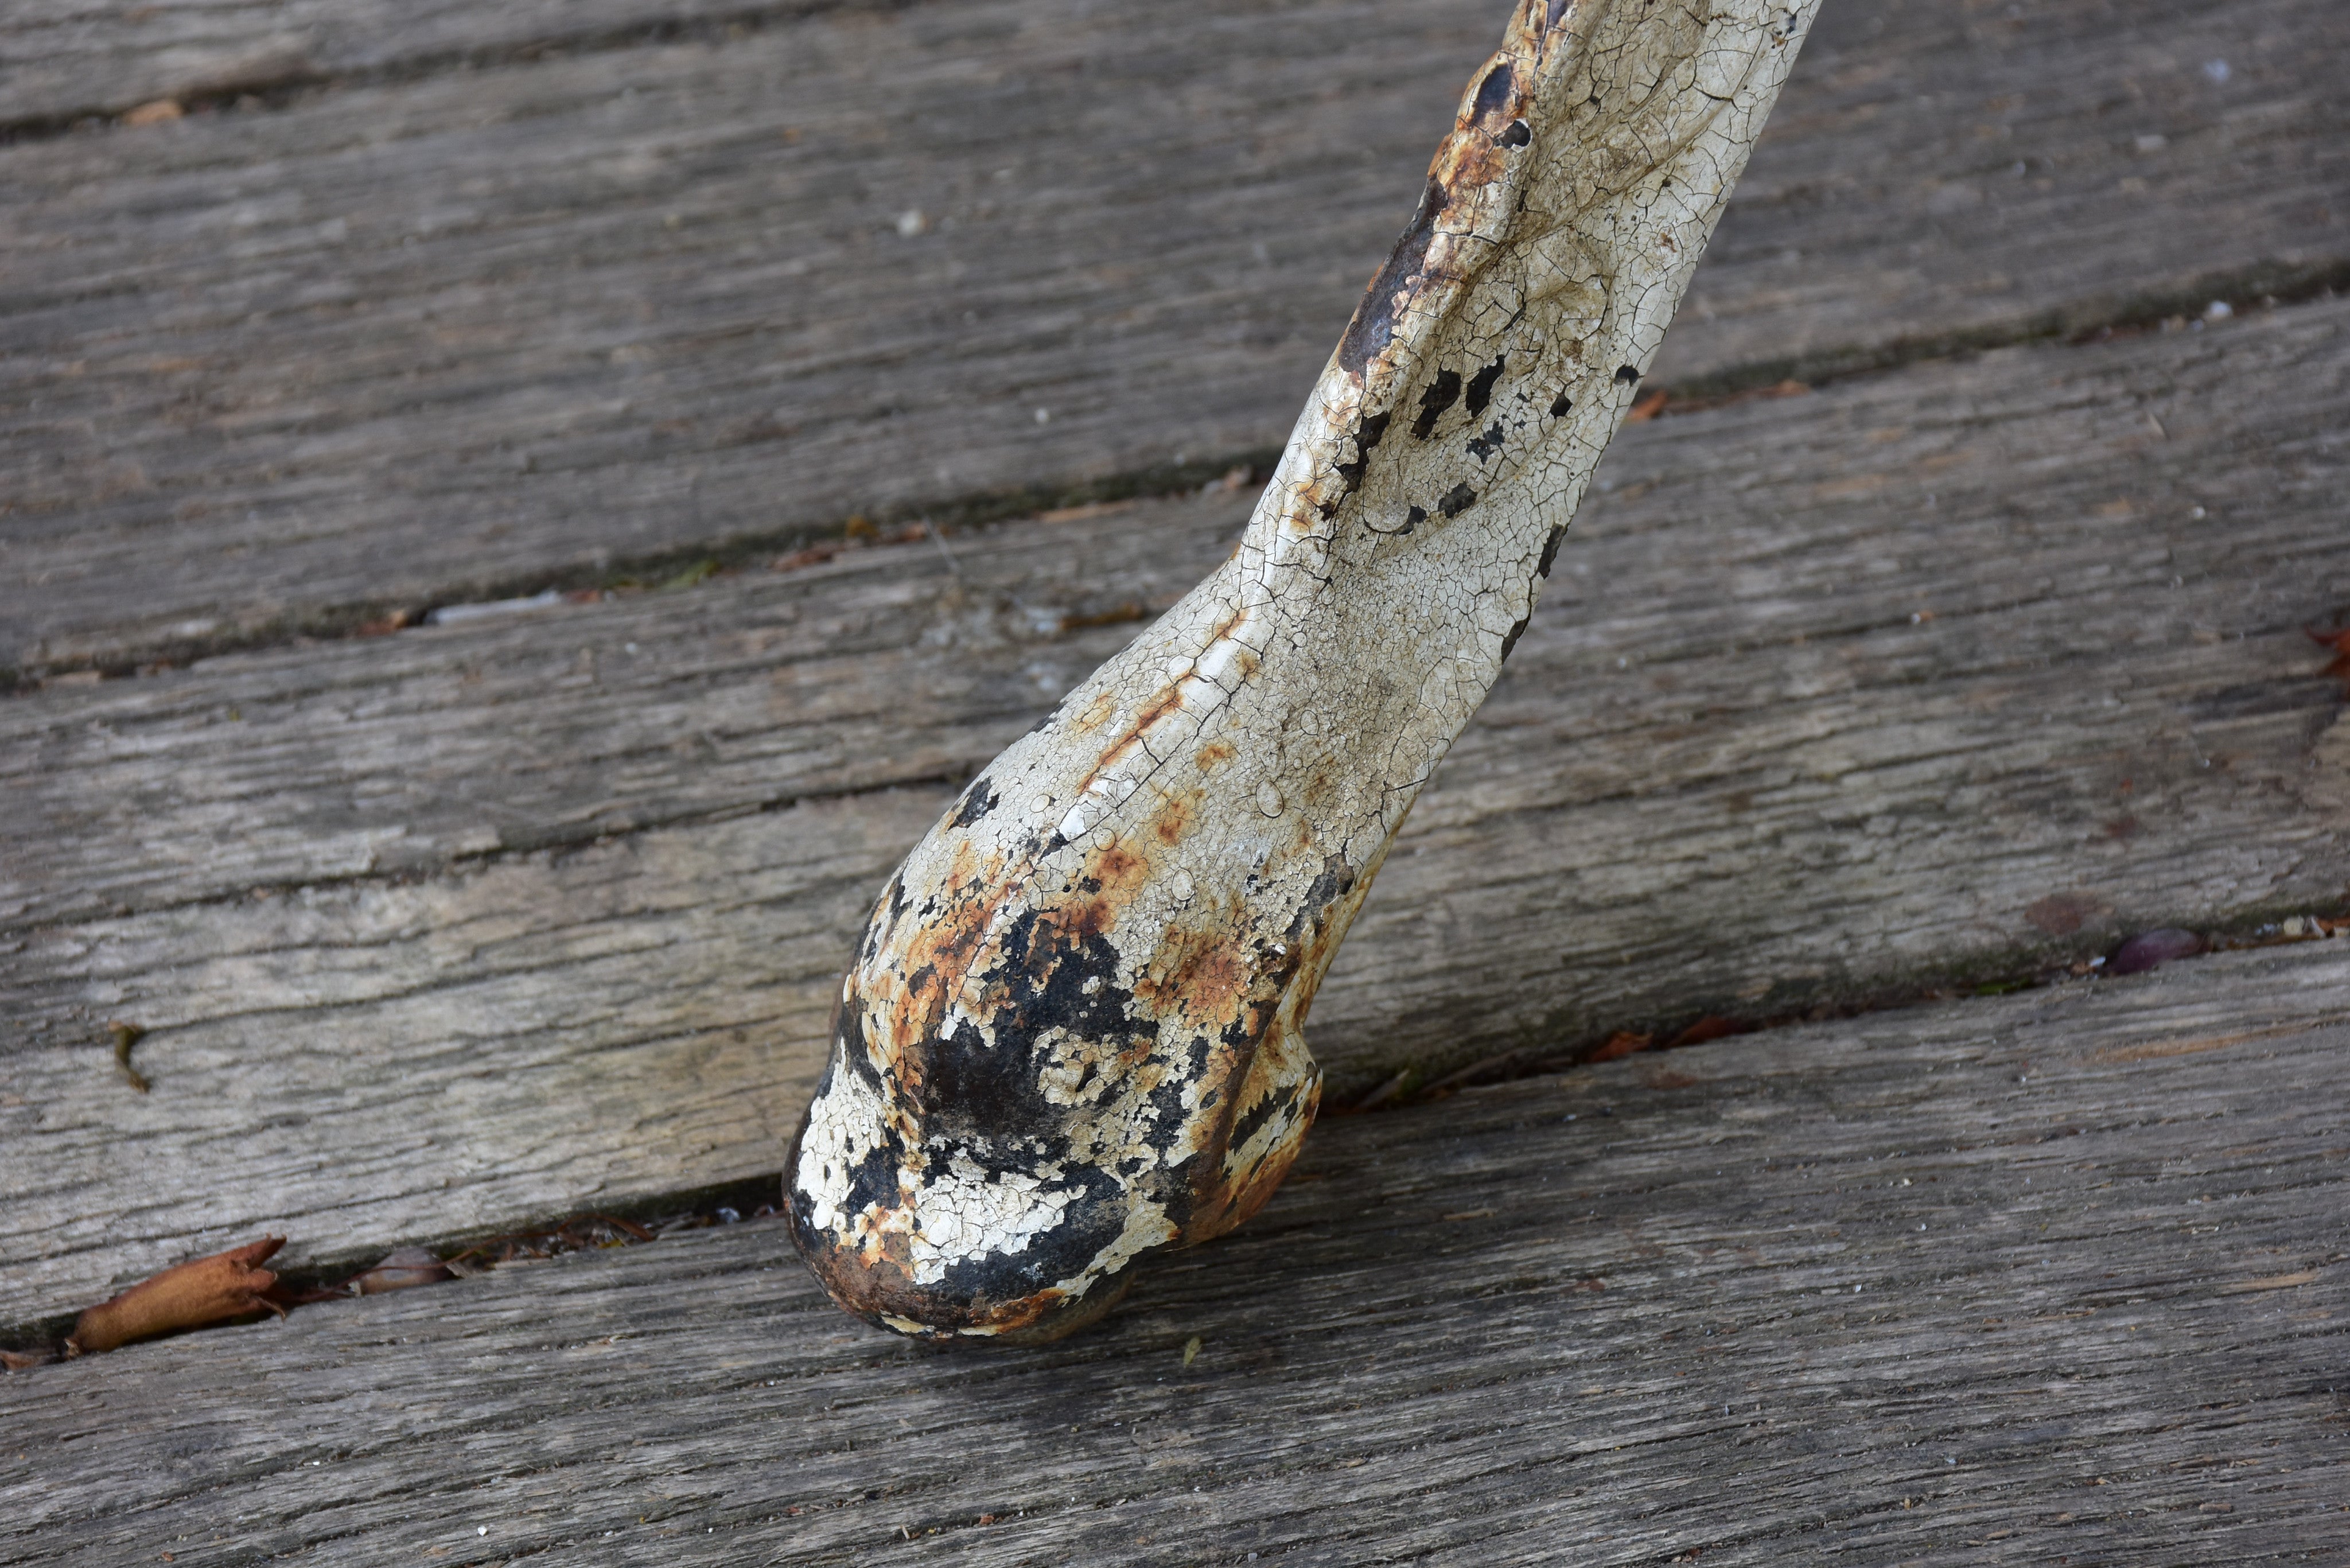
1074 1033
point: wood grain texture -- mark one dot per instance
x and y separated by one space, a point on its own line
2056 1275
60 59
473 925
1944 174
426 339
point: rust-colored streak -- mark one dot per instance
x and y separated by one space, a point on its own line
1467 161
1314 955
1168 699
1165 701
1097 713
1222 1198
1113 875
1241 1200
1172 821
935 962
1199 974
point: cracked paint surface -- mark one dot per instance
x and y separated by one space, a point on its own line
1072 1033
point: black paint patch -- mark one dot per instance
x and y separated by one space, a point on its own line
1550 550
1492 94
977 802
1627 376
1481 386
1092 1220
1438 397
1485 446
1373 325
1561 406
1414 518
1257 1115
1456 499
873 1180
1516 632
849 1048
971 1088
1367 436
878 929
1334 882
1186 1064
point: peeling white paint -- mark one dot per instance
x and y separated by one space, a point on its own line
1233 778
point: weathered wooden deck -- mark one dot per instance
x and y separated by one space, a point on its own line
1943 675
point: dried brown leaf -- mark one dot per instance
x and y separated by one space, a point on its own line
230 1284
1712 1026
1622 1042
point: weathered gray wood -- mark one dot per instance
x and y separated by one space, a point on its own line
440 337
60 59
2048 1277
1947 174
467 926
525 320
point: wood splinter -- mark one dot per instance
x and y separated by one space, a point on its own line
1071 1035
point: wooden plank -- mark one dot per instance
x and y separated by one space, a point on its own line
1960 175
473 925
2049 1276
537 318
64 59
481 331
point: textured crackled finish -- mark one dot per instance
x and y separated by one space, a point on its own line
1072 1033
